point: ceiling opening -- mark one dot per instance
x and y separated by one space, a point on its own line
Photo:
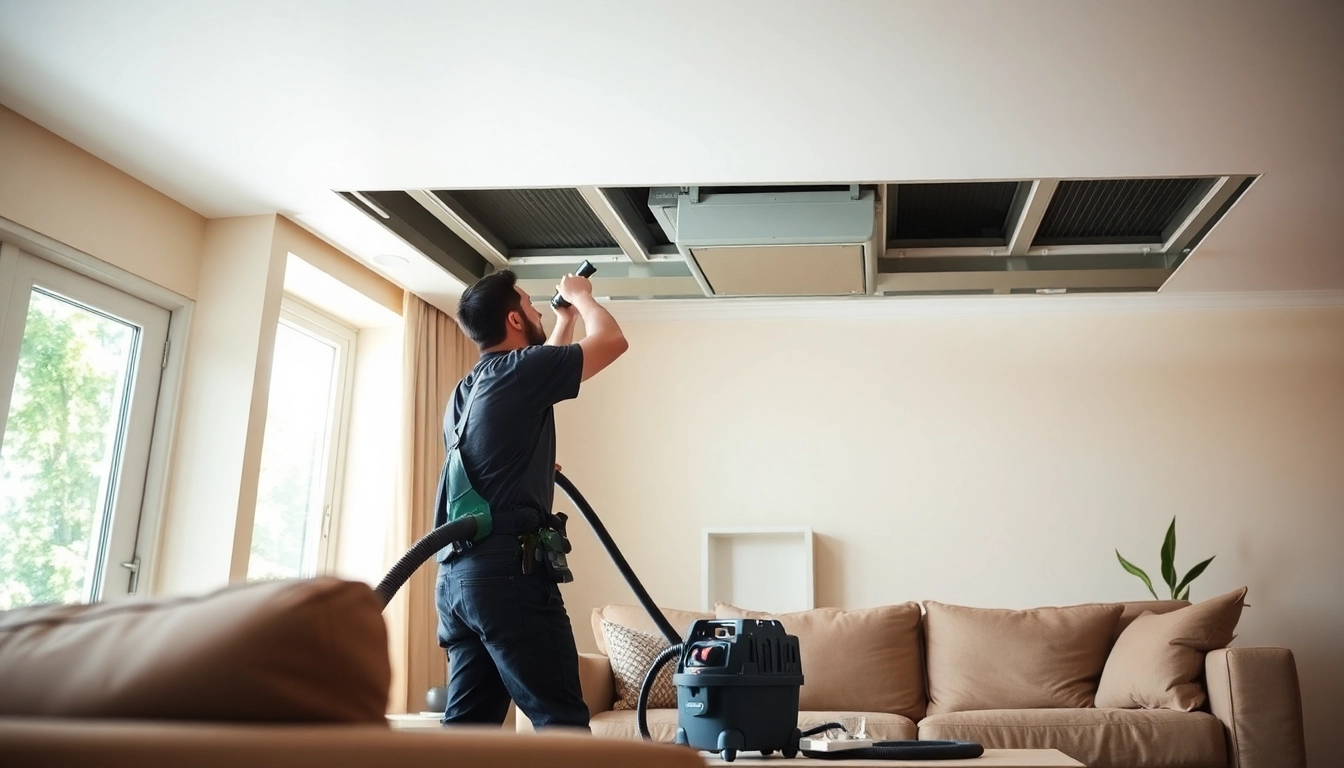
946 238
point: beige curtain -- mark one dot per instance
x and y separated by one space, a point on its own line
436 357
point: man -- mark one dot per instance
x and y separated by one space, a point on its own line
504 627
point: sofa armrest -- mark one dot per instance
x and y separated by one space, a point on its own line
130 744
1254 692
598 684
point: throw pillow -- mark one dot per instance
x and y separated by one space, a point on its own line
986 658
1158 660
864 660
632 654
635 617
298 650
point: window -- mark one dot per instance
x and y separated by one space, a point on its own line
303 451
80 367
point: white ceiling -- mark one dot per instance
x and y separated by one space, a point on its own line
252 106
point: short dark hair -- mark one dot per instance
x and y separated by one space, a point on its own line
484 308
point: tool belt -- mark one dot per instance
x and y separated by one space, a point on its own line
543 542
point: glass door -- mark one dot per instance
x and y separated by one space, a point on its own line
80 364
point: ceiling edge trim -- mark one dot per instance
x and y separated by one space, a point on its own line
706 310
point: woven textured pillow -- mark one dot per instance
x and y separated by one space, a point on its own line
632 653
635 617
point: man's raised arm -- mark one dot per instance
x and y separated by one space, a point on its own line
604 341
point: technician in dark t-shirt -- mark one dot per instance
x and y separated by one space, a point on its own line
506 632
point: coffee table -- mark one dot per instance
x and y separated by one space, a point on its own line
993 758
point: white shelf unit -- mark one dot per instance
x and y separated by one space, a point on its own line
757 568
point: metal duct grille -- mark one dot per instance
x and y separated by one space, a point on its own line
536 218
968 213
1113 211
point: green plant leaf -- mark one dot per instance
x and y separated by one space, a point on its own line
1183 589
1137 571
1169 558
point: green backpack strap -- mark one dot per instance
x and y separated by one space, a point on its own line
463 499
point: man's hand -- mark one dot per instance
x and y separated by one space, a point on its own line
572 288
605 342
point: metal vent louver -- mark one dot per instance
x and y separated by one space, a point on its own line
1114 211
536 218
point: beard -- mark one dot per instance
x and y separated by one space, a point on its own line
536 335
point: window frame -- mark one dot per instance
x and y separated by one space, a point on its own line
307 319
125 561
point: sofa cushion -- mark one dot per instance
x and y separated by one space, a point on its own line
635 617
867 659
1158 660
989 658
303 650
632 654
1098 738
663 724
624 724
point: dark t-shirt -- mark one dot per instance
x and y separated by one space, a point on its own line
508 446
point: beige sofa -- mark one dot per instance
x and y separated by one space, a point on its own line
292 674
1123 685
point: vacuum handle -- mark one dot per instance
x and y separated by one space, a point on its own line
585 269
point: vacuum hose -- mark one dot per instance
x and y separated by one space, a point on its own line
458 530
650 607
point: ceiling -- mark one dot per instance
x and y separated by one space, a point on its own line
251 107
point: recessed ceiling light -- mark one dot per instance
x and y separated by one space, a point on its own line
390 260
1052 291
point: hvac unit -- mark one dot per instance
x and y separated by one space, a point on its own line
809 242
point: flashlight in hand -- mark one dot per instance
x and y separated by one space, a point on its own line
585 269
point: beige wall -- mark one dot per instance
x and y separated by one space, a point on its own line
49 185
989 460
213 484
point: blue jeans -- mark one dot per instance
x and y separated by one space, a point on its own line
507 635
